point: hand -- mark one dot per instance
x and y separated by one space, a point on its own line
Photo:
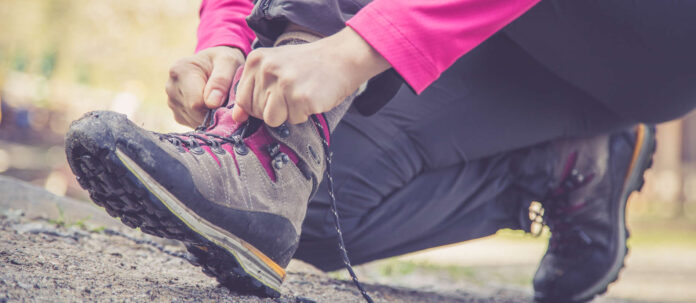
291 82
201 82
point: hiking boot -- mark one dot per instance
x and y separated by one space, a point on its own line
235 194
586 213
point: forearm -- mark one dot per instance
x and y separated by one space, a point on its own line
421 39
223 23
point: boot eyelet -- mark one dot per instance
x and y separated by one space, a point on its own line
283 131
216 148
197 150
280 160
241 149
278 164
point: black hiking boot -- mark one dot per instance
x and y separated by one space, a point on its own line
585 211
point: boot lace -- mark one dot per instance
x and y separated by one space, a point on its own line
337 223
558 214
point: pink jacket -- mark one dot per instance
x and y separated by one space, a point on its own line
420 39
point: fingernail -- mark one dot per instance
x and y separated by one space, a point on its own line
215 98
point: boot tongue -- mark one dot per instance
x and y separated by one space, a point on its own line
223 124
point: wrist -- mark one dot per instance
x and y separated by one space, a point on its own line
233 50
225 50
358 57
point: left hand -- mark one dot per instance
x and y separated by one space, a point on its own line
291 82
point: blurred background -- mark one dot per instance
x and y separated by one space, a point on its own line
62 58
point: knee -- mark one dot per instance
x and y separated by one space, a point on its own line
661 102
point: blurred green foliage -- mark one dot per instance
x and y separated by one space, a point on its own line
101 43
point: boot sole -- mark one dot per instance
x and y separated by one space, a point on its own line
116 183
641 161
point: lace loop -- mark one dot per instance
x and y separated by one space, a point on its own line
558 213
200 137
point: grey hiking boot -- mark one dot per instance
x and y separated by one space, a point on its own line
235 194
586 213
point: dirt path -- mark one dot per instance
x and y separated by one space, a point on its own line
42 262
91 259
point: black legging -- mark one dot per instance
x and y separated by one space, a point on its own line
435 169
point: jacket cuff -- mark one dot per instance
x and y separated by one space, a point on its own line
223 39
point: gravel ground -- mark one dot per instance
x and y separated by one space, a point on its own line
41 262
49 260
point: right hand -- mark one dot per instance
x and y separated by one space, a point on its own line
201 82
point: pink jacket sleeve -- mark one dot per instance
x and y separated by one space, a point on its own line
421 39
223 23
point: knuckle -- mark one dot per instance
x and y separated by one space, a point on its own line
174 73
284 82
169 88
268 66
254 58
172 90
176 69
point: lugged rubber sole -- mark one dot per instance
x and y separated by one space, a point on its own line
641 160
114 184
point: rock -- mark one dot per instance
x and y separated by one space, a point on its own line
34 201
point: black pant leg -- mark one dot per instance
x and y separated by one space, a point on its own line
635 57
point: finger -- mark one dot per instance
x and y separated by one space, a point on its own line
174 105
220 80
245 90
276 111
177 109
297 112
297 118
191 86
239 115
196 117
258 104
235 83
180 117
172 91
